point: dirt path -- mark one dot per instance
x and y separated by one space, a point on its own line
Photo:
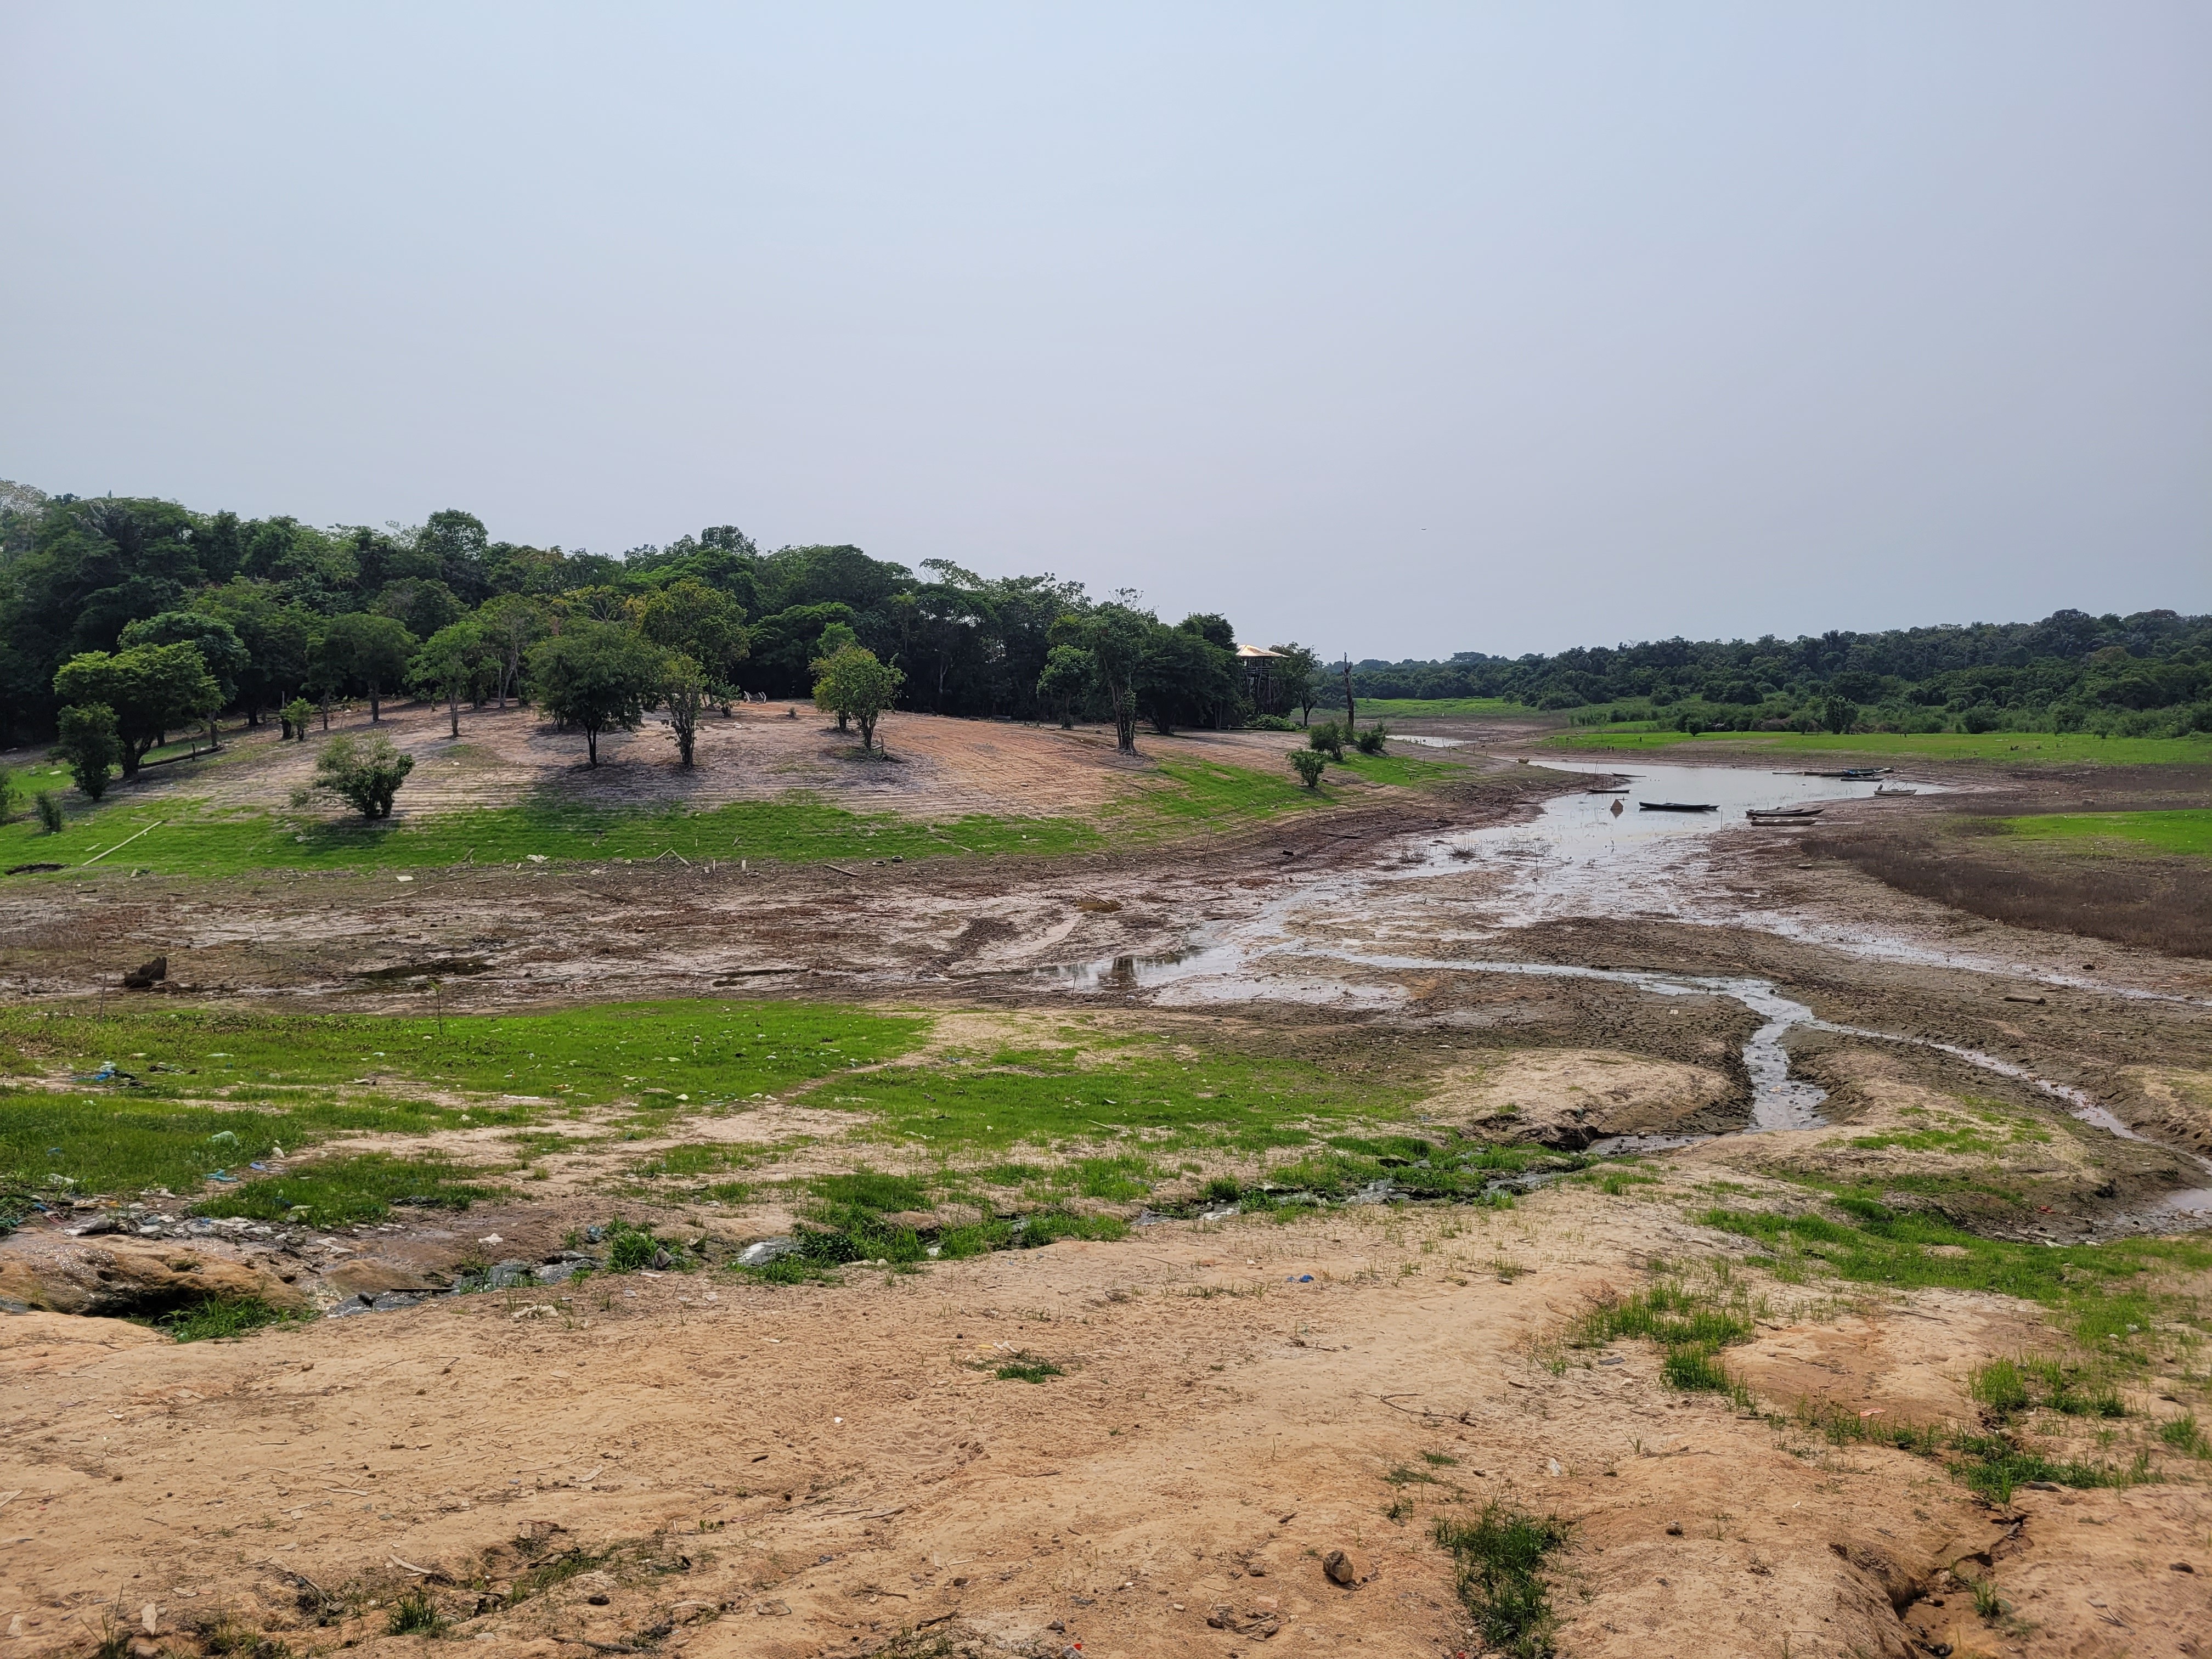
805 1472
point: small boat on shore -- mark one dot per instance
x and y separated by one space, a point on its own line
1885 789
1676 807
1758 812
1606 792
1853 773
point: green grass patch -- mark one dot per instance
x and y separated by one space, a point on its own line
2011 748
1043 1097
2187 831
338 1192
223 1091
1497 1563
196 839
1027 1368
221 1316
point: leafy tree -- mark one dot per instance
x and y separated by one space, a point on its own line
88 746
455 543
278 639
684 693
296 714
1838 714
1185 679
1296 678
220 647
152 690
854 682
424 606
511 623
1115 637
690 617
1070 672
365 772
370 652
596 677
449 664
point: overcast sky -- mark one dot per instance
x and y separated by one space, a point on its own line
1395 328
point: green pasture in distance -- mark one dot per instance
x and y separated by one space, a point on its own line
1414 709
2014 748
2187 830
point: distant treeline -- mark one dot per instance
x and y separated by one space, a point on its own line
2146 675
277 609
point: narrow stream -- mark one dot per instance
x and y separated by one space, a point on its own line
1587 855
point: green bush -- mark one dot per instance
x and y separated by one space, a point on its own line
88 746
48 806
364 775
296 714
1370 741
1308 766
1327 739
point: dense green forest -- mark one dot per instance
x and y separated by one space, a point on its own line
2146 674
111 602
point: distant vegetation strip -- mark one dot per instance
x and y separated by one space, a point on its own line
2019 748
2181 831
2141 675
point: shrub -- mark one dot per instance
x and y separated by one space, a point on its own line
296 714
48 806
1327 739
89 746
1308 765
1370 741
365 775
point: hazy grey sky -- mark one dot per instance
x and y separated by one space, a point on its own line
1396 329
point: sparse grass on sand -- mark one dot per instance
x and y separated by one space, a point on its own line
2008 748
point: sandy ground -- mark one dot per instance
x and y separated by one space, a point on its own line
938 768
805 1472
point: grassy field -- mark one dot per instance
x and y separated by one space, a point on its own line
1415 708
218 1096
2015 748
187 838
2182 831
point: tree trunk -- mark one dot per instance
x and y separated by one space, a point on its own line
327 716
1350 708
592 744
374 707
867 732
453 707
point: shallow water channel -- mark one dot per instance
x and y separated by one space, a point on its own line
1597 853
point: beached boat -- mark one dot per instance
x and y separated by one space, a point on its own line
1676 807
1783 812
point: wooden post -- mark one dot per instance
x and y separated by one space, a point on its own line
1350 708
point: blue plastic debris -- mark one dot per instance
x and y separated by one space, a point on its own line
264 1167
1299 1279
219 1175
